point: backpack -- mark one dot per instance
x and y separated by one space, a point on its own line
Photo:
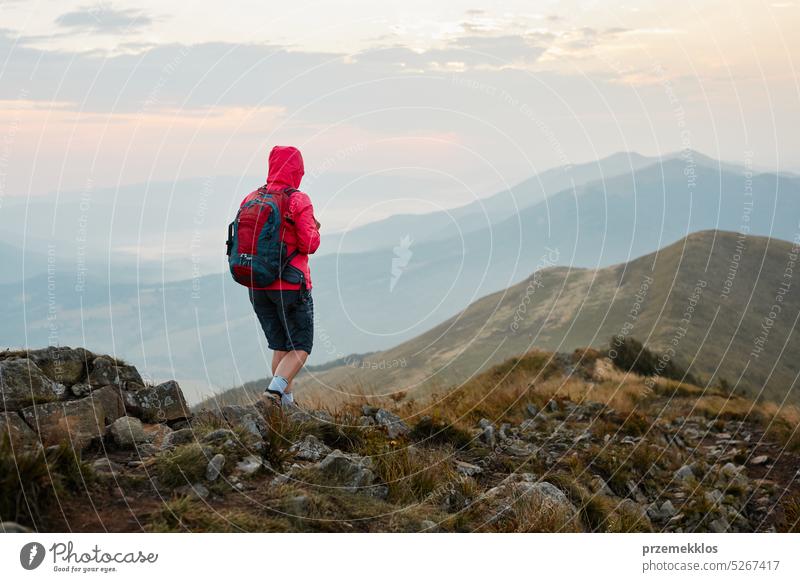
256 253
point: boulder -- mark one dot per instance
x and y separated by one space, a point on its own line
21 434
63 365
75 422
105 371
310 449
160 403
127 432
22 383
110 399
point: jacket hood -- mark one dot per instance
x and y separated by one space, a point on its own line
285 167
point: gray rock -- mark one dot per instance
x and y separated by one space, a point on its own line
81 389
488 432
298 506
22 383
214 468
110 399
684 473
467 469
395 427
759 460
350 472
249 466
532 410
366 421
127 432
63 365
668 510
178 437
248 417
310 449
219 436
161 403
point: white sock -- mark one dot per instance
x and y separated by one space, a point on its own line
278 384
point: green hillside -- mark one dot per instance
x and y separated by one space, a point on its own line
708 297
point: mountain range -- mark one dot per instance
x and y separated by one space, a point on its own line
410 276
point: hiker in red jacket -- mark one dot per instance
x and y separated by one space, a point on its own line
285 308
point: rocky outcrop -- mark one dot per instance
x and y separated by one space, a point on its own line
162 403
75 422
23 383
61 394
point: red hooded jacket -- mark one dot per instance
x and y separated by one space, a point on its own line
286 171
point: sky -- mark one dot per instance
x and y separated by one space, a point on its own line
475 95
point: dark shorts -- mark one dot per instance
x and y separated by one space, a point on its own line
287 318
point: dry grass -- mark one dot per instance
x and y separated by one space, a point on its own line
533 514
187 515
413 474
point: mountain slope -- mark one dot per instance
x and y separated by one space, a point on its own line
695 296
483 213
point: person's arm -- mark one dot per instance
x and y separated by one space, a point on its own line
305 224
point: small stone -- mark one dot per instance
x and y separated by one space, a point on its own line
532 410
467 469
395 427
197 490
310 449
249 465
126 432
684 473
759 460
80 390
178 437
214 468
366 421
668 510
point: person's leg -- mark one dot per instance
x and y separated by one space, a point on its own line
272 323
277 356
290 365
296 309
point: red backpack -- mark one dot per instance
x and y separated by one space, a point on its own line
256 253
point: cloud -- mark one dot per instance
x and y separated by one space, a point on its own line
103 19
